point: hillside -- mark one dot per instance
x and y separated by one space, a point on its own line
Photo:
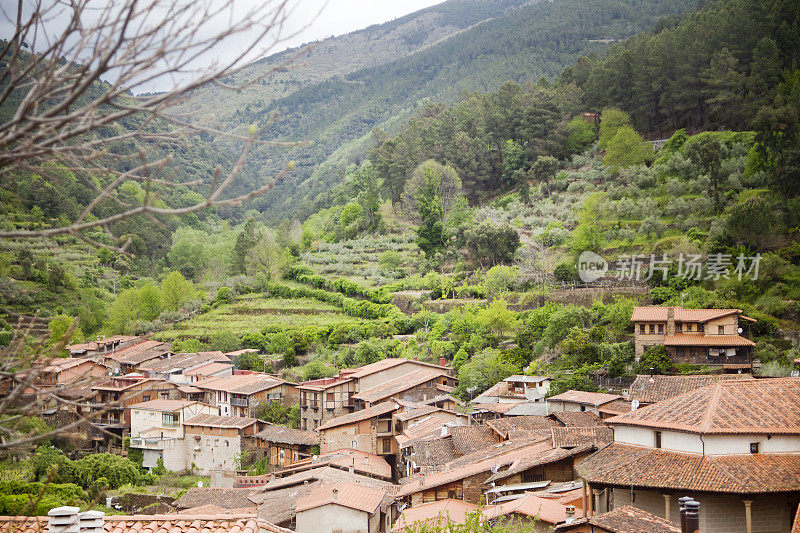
379 76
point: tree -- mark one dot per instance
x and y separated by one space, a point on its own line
588 234
246 239
484 370
70 88
655 360
498 318
431 179
626 148
612 119
499 279
59 326
267 258
176 291
488 243
150 305
706 153
544 169
581 135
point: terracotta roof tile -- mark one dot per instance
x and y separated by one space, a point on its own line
690 339
652 389
163 405
364 414
211 509
545 509
615 407
432 453
141 352
564 437
386 364
399 385
240 383
184 360
433 514
208 369
759 406
659 314
577 418
178 523
541 454
594 399
220 497
468 439
503 426
417 412
362 462
284 435
499 408
347 494
430 426
216 421
634 466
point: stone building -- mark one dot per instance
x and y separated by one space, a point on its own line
240 394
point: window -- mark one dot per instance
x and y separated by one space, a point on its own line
641 329
754 446
660 329
700 328
657 439
652 328
721 330
330 397
145 397
583 407
688 327
678 327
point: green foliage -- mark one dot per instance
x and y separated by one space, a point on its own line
497 318
58 327
500 279
612 120
655 360
484 370
488 243
274 412
576 381
588 233
176 291
581 135
627 148
225 341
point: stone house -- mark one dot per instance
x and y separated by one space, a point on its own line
516 389
178 368
102 346
285 446
128 359
345 506
217 442
419 385
324 399
240 394
698 336
576 400
370 430
623 519
733 446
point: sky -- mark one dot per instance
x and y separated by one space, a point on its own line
308 21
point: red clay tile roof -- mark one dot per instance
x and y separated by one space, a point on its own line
346 494
211 509
577 418
416 412
432 453
634 466
59 364
759 407
221 497
178 523
358 416
627 519
541 454
652 389
95 345
385 364
594 399
545 509
499 408
659 314
163 405
433 514
429 427
140 352
362 462
398 385
216 421
691 339
208 369
240 383
616 407
503 426
576 436
284 435
468 439
184 360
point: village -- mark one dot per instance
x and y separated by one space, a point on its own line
387 447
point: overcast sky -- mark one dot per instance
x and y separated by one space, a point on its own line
312 20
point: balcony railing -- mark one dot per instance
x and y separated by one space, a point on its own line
154 443
240 402
728 360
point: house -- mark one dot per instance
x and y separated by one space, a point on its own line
651 389
418 385
285 446
240 394
733 446
277 499
324 399
698 336
221 498
216 442
508 427
433 515
427 453
344 506
531 512
210 369
516 389
627 519
71 519
177 367
369 430
576 400
102 346
128 359
59 373
159 424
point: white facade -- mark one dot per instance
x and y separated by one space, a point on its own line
706 444
166 423
336 518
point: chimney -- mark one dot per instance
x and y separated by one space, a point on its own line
570 512
422 480
670 322
335 493
92 522
442 361
415 358
690 515
63 520
352 470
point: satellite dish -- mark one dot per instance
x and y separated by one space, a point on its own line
740 331
199 484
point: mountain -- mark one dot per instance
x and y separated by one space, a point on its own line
377 77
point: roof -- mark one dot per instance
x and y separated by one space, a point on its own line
240 383
140 352
163 405
59 364
503 426
594 399
545 509
434 514
347 494
431 453
417 412
430 426
276 499
577 436
400 384
541 454
527 409
695 339
177 523
499 408
189 389
386 364
183 360
759 407
635 466
208 369
527 379
651 389
216 421
467 439
577 418
615 407
211 509
225 498
358 416
94 345
659 314
627 519
364 463
284 435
